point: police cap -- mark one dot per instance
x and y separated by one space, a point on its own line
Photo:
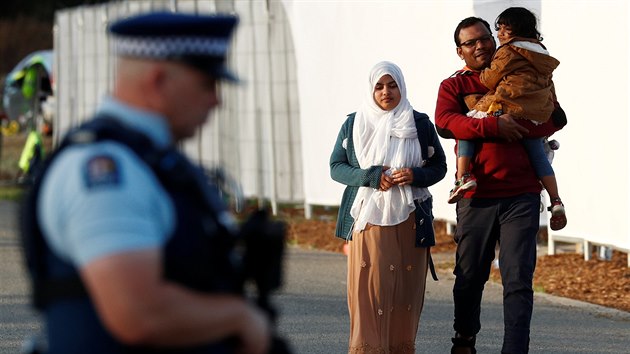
197 40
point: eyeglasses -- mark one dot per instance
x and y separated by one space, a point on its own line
473 42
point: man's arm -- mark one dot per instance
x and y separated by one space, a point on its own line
452 123
450 112
139 307
557 121
511 129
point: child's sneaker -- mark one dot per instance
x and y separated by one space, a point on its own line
462 185
558 218
550 147
553 144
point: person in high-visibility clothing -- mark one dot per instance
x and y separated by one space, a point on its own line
32 155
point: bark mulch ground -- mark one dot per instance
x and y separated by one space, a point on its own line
596 281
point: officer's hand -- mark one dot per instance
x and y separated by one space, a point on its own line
509 129
255 337
386 180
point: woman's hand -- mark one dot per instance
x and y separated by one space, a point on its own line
402 176
386 180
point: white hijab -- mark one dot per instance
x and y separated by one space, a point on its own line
386 138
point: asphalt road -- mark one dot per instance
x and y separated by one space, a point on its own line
314 316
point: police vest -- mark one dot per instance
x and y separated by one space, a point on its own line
197 256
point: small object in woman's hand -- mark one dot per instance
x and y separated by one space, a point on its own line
390 171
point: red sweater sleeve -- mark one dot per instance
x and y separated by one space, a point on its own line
450 118
538 130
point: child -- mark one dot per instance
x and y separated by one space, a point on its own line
520 84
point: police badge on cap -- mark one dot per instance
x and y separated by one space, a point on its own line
201 41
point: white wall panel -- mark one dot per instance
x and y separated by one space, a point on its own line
592 165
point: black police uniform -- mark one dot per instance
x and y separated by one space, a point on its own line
197 255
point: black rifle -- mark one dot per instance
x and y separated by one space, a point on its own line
264 242
261 242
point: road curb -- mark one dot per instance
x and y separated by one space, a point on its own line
595 309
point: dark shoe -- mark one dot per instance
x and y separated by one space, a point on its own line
553 144
463 345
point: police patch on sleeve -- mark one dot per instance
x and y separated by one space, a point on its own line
101 171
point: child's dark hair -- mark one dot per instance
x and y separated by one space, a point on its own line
521 21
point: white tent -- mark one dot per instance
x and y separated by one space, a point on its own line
305 63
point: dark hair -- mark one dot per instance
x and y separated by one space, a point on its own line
521 21
467 22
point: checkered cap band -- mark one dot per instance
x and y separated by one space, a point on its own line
169 47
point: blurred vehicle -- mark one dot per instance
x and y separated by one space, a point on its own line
28 91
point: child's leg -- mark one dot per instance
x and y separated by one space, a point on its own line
464 181
541 165
465 151
551 185
545 173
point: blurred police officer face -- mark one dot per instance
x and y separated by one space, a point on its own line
387 93
476 46
189 96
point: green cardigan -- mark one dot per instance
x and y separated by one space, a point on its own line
344 168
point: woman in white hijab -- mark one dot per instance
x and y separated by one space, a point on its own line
387 155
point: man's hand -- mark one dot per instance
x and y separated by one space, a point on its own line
255 336
139 307
509 129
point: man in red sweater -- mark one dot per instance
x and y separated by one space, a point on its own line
504 207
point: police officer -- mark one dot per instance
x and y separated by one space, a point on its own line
127 261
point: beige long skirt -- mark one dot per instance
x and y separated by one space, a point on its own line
386 282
